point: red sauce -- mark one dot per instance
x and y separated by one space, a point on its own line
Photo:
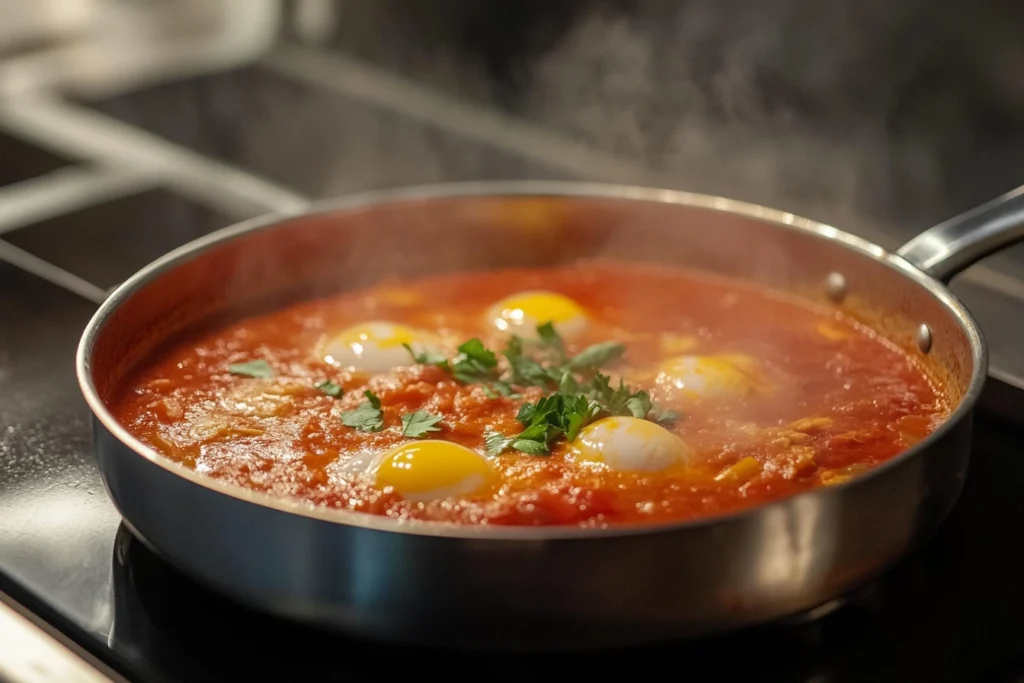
833 398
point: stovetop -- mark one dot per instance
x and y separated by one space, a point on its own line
97 189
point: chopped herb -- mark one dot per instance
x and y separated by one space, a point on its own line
548 419
420 423
550 338
495 442
427 357
639 404
474 363
596 356
580 394
253 368
663 416
331 389
367 417
567 384
498 388
530 447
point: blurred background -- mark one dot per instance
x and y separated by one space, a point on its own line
145 123
129 127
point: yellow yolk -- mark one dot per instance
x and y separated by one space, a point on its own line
708 376
630 444
431 470
373 347
521 314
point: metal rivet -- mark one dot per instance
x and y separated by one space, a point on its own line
924 338
835 287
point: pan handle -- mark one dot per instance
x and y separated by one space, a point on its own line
951 246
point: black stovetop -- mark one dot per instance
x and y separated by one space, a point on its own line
954 611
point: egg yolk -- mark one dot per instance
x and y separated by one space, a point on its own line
708 376
630 444
383 335
375 346
522 313
431 470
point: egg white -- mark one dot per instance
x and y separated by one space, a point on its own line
630 444
375 346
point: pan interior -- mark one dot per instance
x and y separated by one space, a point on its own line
255 267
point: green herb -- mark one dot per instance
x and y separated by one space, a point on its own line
498 389
639 404
419 423
580 394
496 442
367 417
548 419
331 389
596 356
427 357
550 338
525 370
663 416
474 363
253 368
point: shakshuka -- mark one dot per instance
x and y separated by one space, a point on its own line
593 395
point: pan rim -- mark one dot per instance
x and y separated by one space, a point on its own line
478 189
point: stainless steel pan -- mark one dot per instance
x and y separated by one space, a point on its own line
543 587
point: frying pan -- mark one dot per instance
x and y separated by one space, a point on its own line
543 587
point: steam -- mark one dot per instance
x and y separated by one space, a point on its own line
786 102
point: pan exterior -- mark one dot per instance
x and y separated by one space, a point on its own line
544 587
541 594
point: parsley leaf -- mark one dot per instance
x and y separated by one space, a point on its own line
639 404
427 357
531 447
596 356
419 423
526 370
474 363
550 338
367 417
331 389
253 368
496 442
663 416
548 419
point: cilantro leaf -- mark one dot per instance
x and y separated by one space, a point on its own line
474 363
331 389
567 384
550 338
531 447
639 404
254 368
663 416
419 423
366 417
496 442
497 389
526 370
596 356
427 357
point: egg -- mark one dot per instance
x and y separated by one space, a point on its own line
375 346
427 470
630 444
521 314
709 376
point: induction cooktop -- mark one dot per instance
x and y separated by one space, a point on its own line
93 189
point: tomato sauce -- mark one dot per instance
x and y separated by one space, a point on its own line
831 398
